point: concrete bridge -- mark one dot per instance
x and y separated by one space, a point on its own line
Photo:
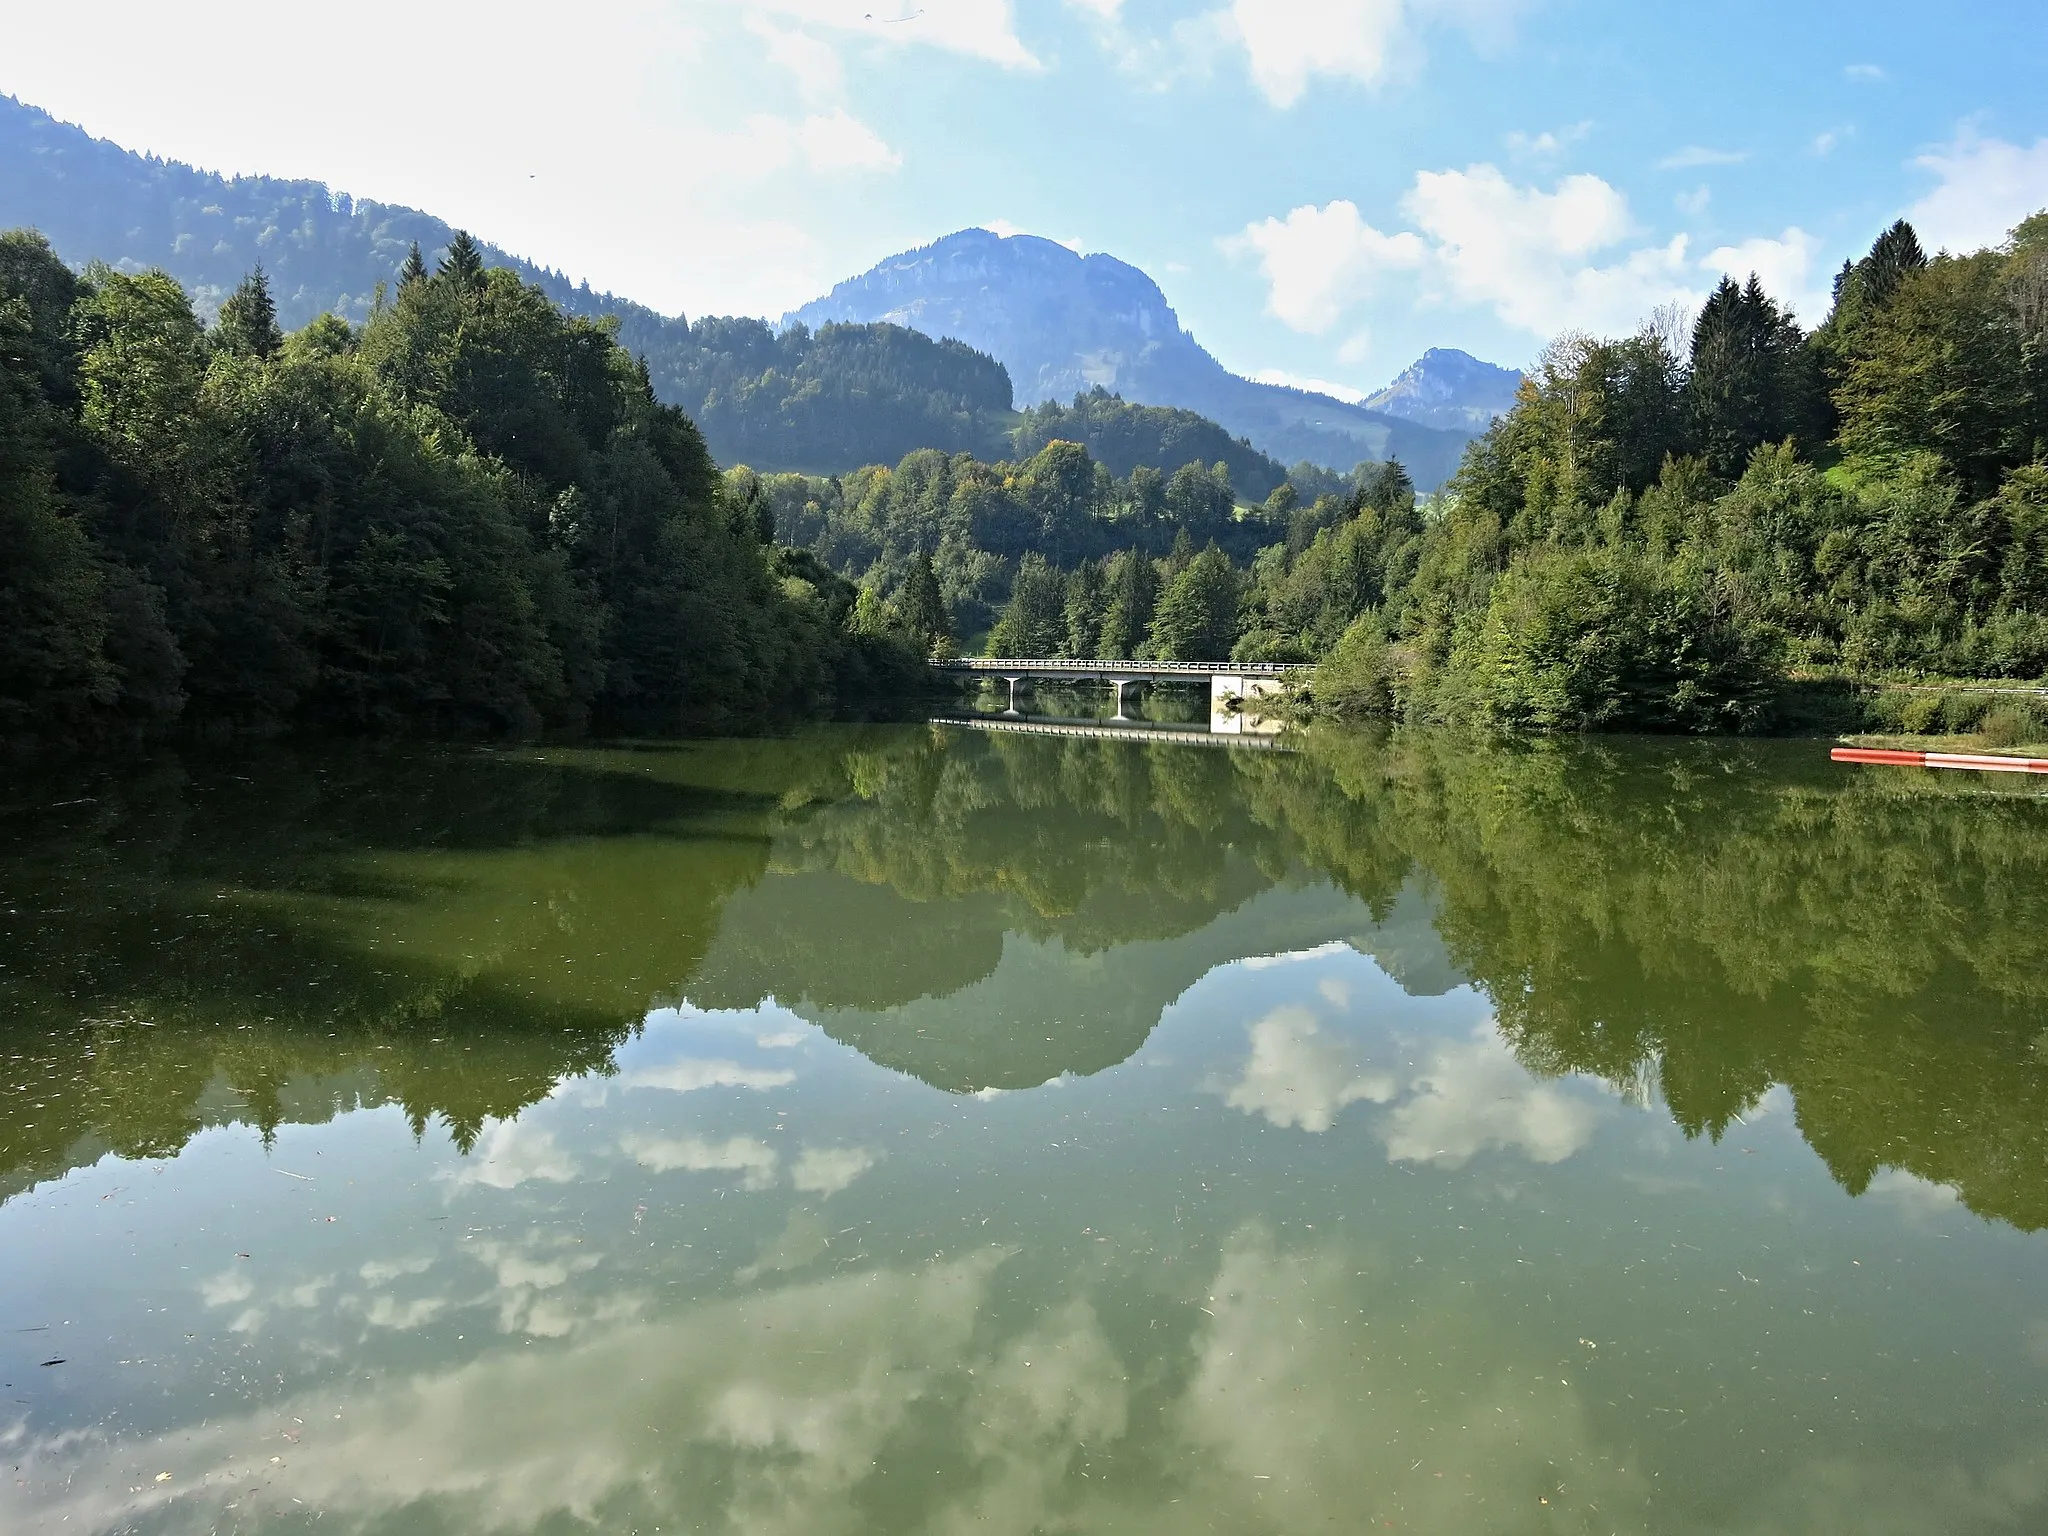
1232 684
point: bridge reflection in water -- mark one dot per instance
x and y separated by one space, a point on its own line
1266 734
1241 694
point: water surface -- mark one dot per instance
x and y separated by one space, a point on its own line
929 1130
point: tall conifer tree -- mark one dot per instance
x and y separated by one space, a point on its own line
414 270
464 263
248 320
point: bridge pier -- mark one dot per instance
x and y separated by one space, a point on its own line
1013 682
1120 684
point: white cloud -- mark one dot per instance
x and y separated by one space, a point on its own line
1694 203
1288 43
386 1311
1288 380
227 1288
1864 71
1526 253
509 1155
981 29
1298 1076
384 1271
1295 956
1476 1095
1545 261
1826 142
739 1154
842 142
821 143
1318 262
820 77
1003 229
1785 266
690 1074
765 1413
1698 154
1547 145
1987 186
828 1170
1913 1195
1108 10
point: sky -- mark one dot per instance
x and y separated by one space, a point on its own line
1323 188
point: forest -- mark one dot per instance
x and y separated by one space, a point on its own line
1666 531
468 515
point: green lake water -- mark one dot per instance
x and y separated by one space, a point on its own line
932 1130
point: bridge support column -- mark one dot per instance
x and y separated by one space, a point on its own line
1013 682
1120 684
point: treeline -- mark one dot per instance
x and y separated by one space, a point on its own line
467 515
1662 532
1126 437
840 396
1668 527
981 526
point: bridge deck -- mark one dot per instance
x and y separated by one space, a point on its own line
1060 667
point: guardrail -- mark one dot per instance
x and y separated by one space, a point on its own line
1062 667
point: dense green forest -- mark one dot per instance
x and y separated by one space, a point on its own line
1126 437
992 530
471 513
835 398
1664 530
468 514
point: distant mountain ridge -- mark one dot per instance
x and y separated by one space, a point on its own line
1065 323
824 402
1449 389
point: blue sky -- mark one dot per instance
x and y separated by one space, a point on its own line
1323 187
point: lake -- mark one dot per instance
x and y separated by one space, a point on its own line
905 1129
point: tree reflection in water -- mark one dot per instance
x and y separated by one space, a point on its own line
275 938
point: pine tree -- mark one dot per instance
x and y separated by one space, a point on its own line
1085 598
921 609
1197 618
1894 257
464 263
1132 592
247 326
1752 381
1035 621
414 270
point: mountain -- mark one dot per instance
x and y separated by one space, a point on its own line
1064 323
1449 389
826 398
824 402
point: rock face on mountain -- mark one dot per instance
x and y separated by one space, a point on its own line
1449 389
1064 323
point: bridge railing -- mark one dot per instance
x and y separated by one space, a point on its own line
1063 667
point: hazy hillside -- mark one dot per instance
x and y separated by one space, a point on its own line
829 402
1064 323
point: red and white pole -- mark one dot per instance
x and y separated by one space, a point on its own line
1983 761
